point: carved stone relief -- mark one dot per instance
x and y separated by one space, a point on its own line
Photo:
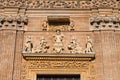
58 65
58 42
24 70
74 46
66 4
45 25
58 45
92 71
13 22
28 45
80 66
89 45
105 22
69 27
42 47
72 25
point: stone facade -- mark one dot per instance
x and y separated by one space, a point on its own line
60 37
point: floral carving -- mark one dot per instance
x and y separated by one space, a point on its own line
57 64
53 4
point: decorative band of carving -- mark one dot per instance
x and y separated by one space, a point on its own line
105 22
58 65
13 22
60 4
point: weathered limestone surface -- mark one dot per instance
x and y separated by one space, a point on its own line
27 20
7 54
18 56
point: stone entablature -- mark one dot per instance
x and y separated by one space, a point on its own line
60 4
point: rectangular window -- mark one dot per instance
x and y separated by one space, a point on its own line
58 20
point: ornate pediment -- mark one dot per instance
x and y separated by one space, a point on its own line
60 4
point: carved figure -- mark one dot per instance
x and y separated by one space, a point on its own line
42 47
10 18
28 45
89 46
18 19
105 22
58 45
106 19
44 25
2 18
71 25
25 20
74 47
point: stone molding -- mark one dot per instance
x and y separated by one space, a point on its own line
60 4
64 56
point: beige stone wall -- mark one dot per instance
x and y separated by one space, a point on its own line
8 43
106 44
35 23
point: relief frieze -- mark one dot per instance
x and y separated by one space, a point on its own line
60 4
58 45
57 65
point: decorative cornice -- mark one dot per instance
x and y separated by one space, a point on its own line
63 56
60 4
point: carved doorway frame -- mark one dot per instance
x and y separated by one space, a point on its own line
82 64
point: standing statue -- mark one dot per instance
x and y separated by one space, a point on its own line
28 45
74 47
58 45
42 47
89 46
